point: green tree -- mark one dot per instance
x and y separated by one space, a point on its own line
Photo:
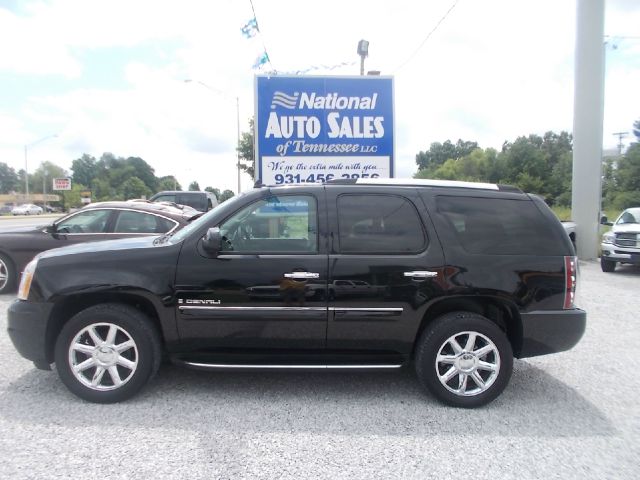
215 191
168 182
226 195
194 187
143 171
439 153
8 178
71 198
625 192
84 169
133 187
43 175
246 151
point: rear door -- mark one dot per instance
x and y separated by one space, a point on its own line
384 247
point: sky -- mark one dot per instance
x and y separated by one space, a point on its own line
110 76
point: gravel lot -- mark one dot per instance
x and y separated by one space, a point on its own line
570 415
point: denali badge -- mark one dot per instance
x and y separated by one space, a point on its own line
195 301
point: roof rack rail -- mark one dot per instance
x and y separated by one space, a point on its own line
424 183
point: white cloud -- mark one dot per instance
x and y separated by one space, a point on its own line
33 48
492 71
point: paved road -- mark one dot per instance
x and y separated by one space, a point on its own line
9 222
571 415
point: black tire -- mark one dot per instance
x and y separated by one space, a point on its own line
129 324
466 365
607 265
8 277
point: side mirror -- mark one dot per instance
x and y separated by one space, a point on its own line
605 221
212 241
51 228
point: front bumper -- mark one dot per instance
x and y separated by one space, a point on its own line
552 331
620 254
27 327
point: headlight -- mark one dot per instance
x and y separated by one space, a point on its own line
608 237
25 280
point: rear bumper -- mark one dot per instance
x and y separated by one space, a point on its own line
553 331
27 328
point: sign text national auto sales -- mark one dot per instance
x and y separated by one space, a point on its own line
314 129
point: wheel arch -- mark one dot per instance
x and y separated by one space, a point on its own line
69 306
504 314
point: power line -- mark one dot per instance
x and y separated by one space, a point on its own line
428 36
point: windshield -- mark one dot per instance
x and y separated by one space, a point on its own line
631 215
230 205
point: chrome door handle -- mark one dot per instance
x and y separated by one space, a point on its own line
302 275
421 274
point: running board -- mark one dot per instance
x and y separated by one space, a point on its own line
236 366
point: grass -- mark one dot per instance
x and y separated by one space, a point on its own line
564 213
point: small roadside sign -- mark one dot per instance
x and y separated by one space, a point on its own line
61 184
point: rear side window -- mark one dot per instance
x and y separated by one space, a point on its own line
138 222
379 224
499 226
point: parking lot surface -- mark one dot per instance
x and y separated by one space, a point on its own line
571 415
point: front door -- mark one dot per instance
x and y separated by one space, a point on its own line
268 287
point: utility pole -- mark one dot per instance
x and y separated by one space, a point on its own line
44 189
587 125
620 136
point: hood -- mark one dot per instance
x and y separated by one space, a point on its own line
30 229
626 228
102 247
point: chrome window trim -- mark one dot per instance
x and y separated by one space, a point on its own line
176 224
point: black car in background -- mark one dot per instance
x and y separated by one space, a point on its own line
98 221
201 201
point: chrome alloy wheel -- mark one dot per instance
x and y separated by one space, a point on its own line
467 363
103 356
4 274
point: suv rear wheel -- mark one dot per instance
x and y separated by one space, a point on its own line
107 353
464 359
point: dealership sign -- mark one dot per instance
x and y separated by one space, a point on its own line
314 129
61 184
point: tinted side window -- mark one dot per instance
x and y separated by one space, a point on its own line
499 226
165 198
284 224
379 224
197 201
90 221
138 222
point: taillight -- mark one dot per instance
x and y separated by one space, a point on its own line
570 281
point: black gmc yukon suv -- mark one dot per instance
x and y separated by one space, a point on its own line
453 278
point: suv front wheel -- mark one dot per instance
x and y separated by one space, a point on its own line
607 265
107 353
464 359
